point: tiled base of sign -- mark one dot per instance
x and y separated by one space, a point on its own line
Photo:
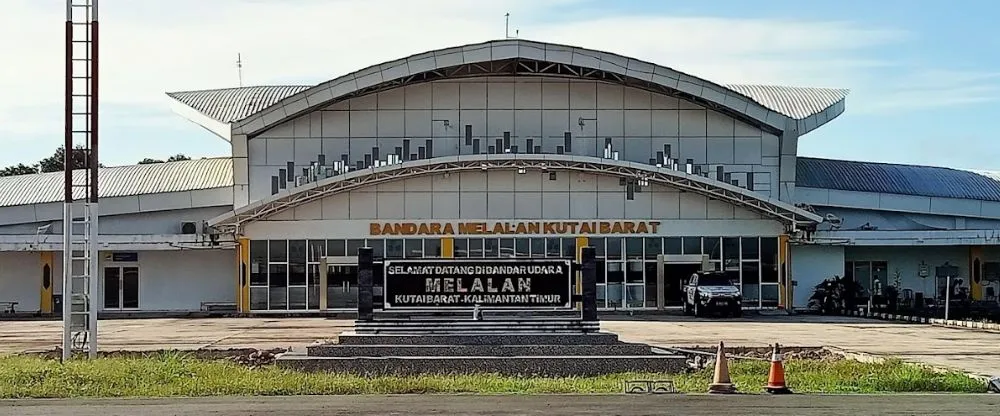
924 320
545 366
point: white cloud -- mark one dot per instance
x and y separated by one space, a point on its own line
149 47
934 88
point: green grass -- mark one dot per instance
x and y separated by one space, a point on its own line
178 375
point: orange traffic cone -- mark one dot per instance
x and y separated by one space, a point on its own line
721 384
776 377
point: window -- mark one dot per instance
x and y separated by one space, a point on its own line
461 247
336 247
751 248
692 245
598 244
569 248
394 249
413 248
537 247
713 247
673 246
297 251
614 248
491 248
769 260
432 247
507 247
654 247
553 248
476 248
522 247
633 247
353 246
258 263
317 249
278 250
378 248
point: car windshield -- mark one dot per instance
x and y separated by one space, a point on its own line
713 281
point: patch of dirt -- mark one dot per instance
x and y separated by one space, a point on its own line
764 353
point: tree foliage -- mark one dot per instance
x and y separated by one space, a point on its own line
56 162
18 169
175 158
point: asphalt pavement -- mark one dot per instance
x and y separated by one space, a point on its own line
548 405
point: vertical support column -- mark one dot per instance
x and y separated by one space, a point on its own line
976 272
243 276
588 277
324 268
581 242
784 273
46 264
448 247
366 282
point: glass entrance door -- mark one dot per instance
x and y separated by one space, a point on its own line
342 286
121 288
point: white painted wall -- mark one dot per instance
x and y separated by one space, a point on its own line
181 280
509 196
907 262
810 266
21 279
638 123
168 280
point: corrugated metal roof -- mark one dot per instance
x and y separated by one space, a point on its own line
794 102
233 104
890 178
118 181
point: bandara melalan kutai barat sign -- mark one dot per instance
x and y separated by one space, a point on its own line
514 228
496 283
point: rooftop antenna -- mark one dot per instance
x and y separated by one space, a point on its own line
506 27
239 67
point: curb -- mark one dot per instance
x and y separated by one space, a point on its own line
951 323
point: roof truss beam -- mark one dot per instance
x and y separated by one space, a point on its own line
792 218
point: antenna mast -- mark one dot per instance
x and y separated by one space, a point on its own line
239 67
506 25
80 158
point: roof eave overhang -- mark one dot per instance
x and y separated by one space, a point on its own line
219 128
792 217
396 73
817 120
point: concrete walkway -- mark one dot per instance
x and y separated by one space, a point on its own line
968 350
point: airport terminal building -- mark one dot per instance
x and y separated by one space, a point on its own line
507 148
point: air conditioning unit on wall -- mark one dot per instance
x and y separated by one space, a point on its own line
190 227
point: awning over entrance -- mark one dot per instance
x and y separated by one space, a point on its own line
789 215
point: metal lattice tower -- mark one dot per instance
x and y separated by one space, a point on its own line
80 245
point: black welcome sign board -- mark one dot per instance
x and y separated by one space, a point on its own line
492 283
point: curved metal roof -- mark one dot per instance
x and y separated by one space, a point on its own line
930 181
768 105
154 178
229 105
794 102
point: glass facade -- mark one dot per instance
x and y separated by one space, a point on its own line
284 274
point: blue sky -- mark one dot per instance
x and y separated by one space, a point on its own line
924 75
